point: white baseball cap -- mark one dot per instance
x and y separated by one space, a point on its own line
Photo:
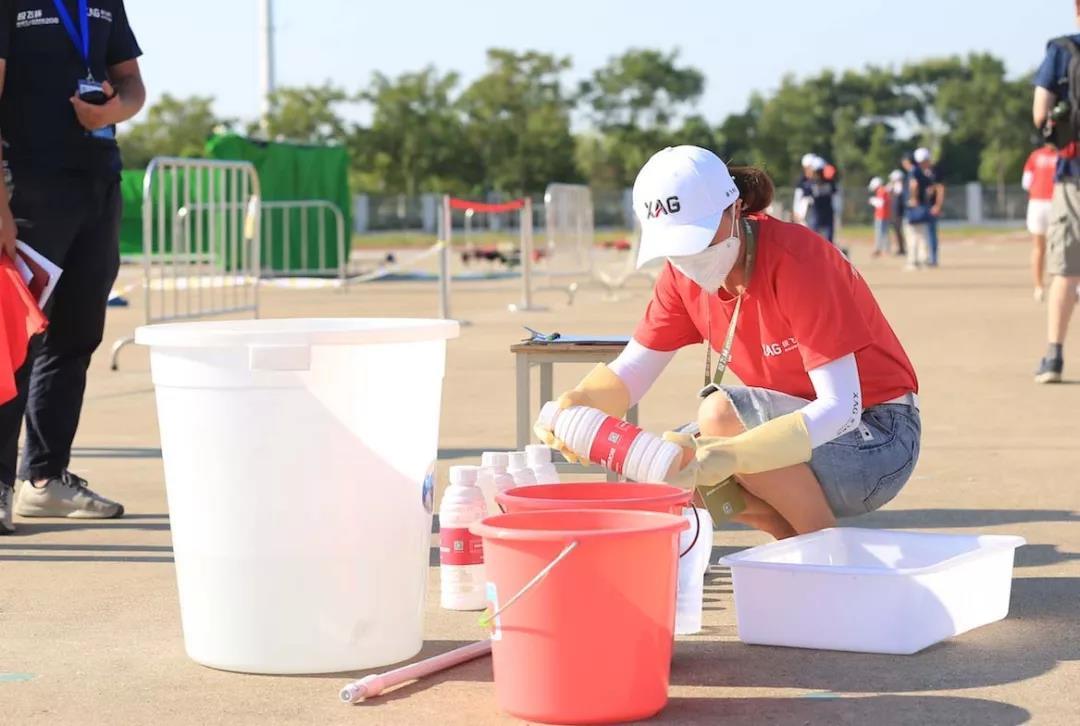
808 160
922 154
679 197
819 163
875 184
896 175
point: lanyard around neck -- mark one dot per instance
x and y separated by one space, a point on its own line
81 40
729 339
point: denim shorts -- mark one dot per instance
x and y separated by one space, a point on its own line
860 471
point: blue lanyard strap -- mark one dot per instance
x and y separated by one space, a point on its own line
82 44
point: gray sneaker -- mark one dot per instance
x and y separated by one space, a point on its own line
7 493
65 496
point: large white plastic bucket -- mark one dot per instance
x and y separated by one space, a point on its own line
298 465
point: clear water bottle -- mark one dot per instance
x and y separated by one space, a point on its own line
461 553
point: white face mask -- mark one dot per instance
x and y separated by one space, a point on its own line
710 267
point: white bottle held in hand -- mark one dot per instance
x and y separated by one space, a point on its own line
519 469
461 553
614 444
692 568
494 478
539 460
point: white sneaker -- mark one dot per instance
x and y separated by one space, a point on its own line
6 495
1039 294
65 496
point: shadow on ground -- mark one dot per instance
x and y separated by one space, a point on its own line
1006 652
830 710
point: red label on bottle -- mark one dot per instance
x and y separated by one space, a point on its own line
459 546
612 443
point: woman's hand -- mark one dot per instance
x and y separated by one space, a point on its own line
708 460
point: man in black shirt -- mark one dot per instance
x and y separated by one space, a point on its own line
68 74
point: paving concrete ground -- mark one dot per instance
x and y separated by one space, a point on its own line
89 621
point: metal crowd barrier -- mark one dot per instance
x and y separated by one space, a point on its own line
201 220
279 246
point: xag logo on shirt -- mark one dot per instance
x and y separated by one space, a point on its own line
784 346
29 18
662 206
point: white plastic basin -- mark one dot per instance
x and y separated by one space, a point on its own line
872 591
298 466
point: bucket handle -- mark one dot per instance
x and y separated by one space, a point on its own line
486 620
697 533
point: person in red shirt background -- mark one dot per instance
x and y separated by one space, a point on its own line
1038 181
881 201
826 423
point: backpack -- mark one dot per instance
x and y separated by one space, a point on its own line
1062 127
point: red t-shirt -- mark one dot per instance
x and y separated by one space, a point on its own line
883 211
1041 165
806 305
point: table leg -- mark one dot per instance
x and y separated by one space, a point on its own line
522 401
546 378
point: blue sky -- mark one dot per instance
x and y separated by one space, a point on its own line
210 46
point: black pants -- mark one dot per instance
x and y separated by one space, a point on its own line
74 220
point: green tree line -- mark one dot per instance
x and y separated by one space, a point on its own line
522 125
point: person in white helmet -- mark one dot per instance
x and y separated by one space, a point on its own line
896 216
826 424
881 201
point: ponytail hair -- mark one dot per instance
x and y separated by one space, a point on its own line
756 189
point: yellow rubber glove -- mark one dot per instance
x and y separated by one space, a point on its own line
775 444
725 499
602 390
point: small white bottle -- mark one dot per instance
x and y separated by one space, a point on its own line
538 457
519 469
461 553
494 478
692 568
612 443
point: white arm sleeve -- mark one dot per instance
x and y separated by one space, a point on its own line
1025 181
639 367
838 408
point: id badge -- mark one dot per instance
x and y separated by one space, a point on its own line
91 91
723 500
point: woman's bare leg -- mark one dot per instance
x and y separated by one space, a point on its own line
760 515
792 492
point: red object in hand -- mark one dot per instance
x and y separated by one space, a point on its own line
20 320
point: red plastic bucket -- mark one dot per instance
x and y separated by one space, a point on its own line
596 495
590 642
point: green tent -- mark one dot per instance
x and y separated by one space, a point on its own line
131 188
289 172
